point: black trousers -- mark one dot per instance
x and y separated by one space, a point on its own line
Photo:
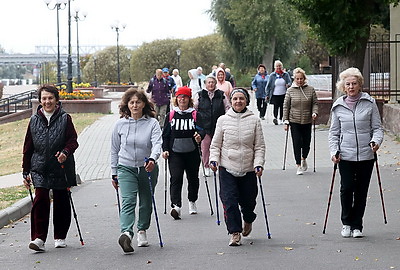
301 138
278 100
235 192
262 106
178 164
354 184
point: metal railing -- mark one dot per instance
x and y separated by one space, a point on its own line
15 103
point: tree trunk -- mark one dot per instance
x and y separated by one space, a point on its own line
268 57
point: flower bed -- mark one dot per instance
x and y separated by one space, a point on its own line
76 94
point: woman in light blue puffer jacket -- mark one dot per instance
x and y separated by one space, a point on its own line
356 132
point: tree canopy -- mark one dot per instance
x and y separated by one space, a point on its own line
258 31
343 26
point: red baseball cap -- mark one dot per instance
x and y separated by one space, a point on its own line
184 91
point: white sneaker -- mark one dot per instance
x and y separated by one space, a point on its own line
346 231
142 239
192 208
59 243
304 166
357 233
37 245
299 171
176 212
235 239
125 241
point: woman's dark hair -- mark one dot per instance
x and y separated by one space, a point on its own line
48 88
244 92
141 95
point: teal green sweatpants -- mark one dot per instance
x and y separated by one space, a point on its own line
134 181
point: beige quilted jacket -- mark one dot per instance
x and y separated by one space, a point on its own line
300 103
238 142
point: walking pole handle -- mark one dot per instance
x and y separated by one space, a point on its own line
336 156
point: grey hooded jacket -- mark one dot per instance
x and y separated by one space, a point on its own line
352 131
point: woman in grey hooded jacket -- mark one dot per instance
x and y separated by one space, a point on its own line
356 134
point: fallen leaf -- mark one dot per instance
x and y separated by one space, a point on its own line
398 238
37 261
148 262
376 260
288 248
220 253
357 259
392 267
338 251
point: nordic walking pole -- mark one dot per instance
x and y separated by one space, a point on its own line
314 141
205 180
116 189
165 185
264 205
286 140
216 195
380 185
146 160
330 191
73 207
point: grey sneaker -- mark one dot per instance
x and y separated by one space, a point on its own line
125 241
142 239
192 208
304 166
346 231
59 243
37 245
235 239
176 212
357 233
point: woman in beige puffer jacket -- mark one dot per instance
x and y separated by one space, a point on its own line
238 149
300 108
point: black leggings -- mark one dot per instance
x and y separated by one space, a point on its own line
262 106
301 138
354 183
278 100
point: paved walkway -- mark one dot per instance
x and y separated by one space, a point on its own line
296 211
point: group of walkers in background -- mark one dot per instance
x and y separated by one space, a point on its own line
206 122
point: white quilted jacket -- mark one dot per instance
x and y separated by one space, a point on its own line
238 143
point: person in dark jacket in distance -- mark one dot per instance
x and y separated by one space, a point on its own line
356 132
210 104
258 85
50 141
160 89
180 146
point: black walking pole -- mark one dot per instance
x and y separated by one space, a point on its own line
314 141
116 190
73 207
330 191
265 206
205 180
165 185
380 185
28 180
286 140
216 195
146 160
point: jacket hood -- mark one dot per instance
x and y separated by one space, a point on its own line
219 70
193 72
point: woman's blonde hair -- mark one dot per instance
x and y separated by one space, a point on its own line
301 71
350 72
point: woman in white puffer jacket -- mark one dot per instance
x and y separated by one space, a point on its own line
356 132
238 149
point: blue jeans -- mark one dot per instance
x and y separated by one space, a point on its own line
133 181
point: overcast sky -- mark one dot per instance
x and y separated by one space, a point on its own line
25 24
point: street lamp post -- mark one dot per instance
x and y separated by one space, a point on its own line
178 53
77 18
118 29
69 61
129 67
95 70
59 5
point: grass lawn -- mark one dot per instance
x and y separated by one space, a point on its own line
11 143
